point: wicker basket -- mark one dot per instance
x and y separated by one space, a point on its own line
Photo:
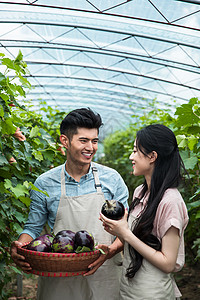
58 264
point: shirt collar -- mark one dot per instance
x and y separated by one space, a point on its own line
144 199
69 178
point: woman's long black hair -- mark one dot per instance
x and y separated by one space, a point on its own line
166 174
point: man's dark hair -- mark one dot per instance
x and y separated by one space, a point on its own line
80 118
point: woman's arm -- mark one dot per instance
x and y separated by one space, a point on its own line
165 259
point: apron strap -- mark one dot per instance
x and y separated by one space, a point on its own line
96 180
63 190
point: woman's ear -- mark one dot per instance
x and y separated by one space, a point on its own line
64 140
153 156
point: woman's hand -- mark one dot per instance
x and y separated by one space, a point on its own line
118 228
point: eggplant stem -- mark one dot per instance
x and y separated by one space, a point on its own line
108 203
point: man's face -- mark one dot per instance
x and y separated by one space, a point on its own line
82 147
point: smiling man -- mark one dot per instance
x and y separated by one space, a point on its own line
81 148
76 192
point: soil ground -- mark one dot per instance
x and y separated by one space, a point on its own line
188 281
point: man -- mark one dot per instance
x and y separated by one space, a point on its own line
77 191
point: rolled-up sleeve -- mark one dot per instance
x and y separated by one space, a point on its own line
38 212
172 211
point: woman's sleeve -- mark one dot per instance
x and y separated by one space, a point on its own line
171 211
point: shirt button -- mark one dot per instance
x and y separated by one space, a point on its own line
79 185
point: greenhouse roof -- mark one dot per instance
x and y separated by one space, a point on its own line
112 56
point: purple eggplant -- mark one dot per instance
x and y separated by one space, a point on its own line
113 209
63 242
83 241
46 238
69 233
41 243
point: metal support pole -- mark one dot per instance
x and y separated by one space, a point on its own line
19 285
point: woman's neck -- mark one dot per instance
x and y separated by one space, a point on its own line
148 181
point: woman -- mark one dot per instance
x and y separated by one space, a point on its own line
153 235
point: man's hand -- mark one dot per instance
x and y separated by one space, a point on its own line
97 263
110 251
18 259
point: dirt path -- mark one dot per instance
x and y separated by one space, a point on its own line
188 281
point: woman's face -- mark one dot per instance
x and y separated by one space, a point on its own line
142 164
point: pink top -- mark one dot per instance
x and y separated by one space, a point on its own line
171 211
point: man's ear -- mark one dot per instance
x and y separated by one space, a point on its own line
64 140
153 156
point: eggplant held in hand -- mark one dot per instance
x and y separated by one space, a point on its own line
113 209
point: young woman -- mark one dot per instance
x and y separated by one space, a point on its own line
153 235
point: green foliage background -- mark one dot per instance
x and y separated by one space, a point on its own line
33 156
38 153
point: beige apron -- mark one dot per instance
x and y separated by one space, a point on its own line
82 213
148 283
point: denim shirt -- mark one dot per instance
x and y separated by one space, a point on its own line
44 208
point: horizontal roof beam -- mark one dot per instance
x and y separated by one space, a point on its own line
111 70
107 14
135 57
107 82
